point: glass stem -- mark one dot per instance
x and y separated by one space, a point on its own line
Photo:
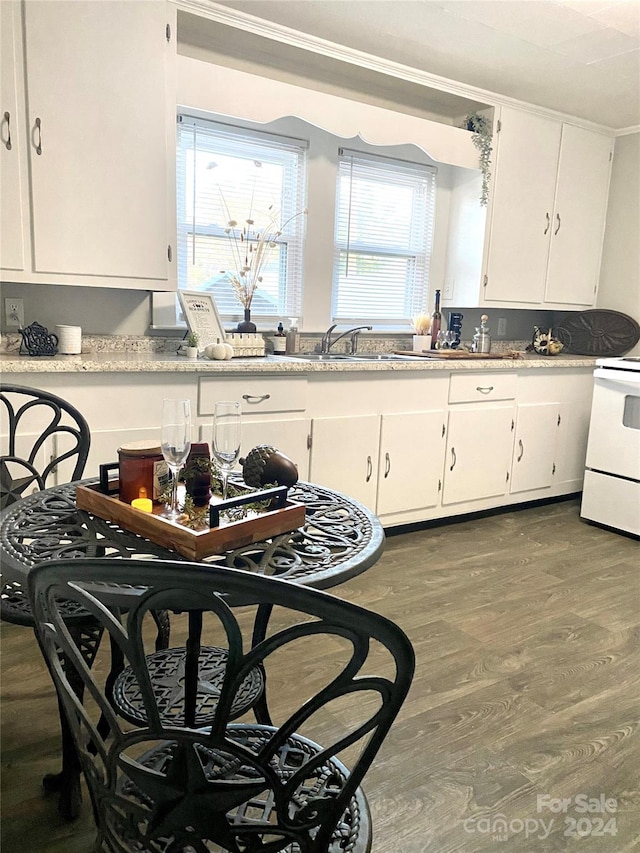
174 490
225 475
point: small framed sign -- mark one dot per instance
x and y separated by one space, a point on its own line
201 315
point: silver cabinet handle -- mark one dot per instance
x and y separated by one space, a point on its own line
546 230
558 228
484 389
369 468
387 465
252 398
454 459
521 446
38 127
7 118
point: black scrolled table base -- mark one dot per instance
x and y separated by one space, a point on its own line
339 540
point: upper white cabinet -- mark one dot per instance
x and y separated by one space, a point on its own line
92 122
12 150
578 217
543 240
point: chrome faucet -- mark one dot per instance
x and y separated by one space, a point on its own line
328 341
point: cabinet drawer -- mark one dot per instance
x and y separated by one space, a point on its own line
479 387
258 394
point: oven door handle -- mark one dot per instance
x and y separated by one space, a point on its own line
630 380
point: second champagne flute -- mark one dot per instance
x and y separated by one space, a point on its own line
175 443
227 427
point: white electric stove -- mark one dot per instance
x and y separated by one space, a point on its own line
611 494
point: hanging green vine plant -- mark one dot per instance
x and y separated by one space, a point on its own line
480 126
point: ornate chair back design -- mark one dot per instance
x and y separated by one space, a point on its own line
288 782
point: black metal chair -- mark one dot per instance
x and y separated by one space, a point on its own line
237 786
40 432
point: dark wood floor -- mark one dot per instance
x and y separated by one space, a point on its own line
525 626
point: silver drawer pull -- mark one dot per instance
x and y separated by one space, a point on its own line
521 447
486 389
251 398
454 458
369 468
387 467
7 118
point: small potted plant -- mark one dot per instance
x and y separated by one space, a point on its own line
192 345
480 126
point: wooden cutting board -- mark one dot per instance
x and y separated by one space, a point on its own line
455 354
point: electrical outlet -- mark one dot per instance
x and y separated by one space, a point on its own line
502 327
14 312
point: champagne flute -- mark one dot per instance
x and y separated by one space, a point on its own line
175 443
226 438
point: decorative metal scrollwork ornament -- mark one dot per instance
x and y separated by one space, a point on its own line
36 340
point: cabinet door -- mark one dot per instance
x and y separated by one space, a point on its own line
344 455
579 215
478 457
534 448
411 457
522 206
12 250
288 436
96 86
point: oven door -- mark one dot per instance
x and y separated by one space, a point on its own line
614 430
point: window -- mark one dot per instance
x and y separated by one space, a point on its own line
228 174
383 238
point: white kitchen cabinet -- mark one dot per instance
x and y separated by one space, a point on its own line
97 132
344 455
410 467
545 226
12 148
578 217
291 437
478 455
522 205
535 446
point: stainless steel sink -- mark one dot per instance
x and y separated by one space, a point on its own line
322 356
381 356
359 356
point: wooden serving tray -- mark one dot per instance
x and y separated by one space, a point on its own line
456 354
194 544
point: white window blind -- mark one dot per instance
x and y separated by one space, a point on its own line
383 238
256 180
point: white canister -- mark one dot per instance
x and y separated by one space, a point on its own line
69 339
421 342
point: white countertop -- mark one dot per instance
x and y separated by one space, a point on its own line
145 362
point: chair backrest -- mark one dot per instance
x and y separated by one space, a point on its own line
277 785
39 431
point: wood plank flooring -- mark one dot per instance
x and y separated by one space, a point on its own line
526 631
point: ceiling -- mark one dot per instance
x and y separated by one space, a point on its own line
580 57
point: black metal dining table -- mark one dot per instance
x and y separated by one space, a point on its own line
339 540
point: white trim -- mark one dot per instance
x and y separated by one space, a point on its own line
229 92
313 44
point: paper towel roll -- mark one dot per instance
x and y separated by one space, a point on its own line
69 339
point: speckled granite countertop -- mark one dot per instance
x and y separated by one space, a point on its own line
147 362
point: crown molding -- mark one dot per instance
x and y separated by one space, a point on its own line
627 131
341 53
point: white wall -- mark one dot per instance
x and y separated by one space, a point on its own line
619 287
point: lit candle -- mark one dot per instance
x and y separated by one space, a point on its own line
143 504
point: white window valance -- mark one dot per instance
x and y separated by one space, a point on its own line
238 94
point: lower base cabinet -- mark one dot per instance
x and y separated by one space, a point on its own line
534 449
344 455
478 456
410 467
